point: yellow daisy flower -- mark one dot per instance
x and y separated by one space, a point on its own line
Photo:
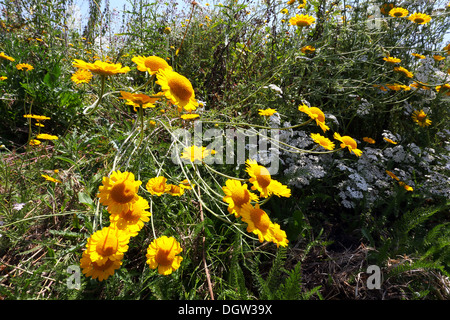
175 190
392 175
369 140
36 117
151 64
308 49
258 222
316 114
302 20
3 78
444 89
6 57
404 71
24 66
119 191
389 140
107 244
195 153
34 142
279 236
177 89
236 195
101 68
45 136
162 254
189 116
392 60
398 12
48 178
349 143
420 118
132 220
266 112
138 100
157 186
419 18
96 271
81 76
323 141
262 181
404 185
419 56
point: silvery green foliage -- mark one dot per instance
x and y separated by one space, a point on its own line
363 181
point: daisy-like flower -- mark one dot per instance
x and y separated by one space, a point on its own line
107 244
3 78
138 100
36 117
132 220
392 175
45 136
369 140
162 253
419 18
279 236
438 57
444 89
404 185
151 64
392 60
177 89
398 87
398 12
24 66
349 143
96 271
302 20
258 222
190 116
420 118
405 71
119 191
175 190
389 140
262 181
81 76
236 195
316 114
157 186
6 57
186 185
308 49
266 112
34 142
323 141
418 56
447 47
48 178
195 153
100 67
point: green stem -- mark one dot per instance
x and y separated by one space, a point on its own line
94 106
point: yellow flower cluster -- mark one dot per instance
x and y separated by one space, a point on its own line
239 199
128 213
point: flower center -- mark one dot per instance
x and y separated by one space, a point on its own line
419 20
240 196
104 266
108 246
421 116
302 23
123 192
164 257
260 219
263 177
155 64
398 14
180 87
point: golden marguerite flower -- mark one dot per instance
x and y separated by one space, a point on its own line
419 18
6 57
398 12
392 175
162 254
316 114
195 153
151 64
418 56
323 141
49 178
81 76
389 140
266 112
34 142
119 191
175 190
302 20
177 89
258 222
262 181
132 219
236 195
349 143
138 100
369 140
404 185
444 89
420 118
190 116
279 236
107 244
405 71
157 186
45 136
97 271
101 67
24 66
308 49
36 117
392 60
